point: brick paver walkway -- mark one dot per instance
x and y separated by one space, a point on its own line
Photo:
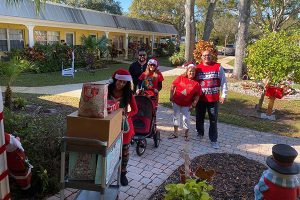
147 172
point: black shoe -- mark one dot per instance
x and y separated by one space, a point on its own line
124 180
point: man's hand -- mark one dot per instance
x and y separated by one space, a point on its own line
222 100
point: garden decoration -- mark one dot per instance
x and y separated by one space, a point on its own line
187 173
274 92
17 162
280 180
203 46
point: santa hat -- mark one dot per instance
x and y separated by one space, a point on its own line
122 74
188 65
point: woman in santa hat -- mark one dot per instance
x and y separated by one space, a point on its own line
152 78
120 90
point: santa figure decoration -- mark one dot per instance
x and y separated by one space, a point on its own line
280 181
18 165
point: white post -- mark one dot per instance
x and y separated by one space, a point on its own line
152 44
126 46
107 34
30 28
4 184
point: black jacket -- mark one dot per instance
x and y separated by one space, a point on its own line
136 69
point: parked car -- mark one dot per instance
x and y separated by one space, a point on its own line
229 50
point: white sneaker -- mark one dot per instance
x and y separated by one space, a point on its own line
214 145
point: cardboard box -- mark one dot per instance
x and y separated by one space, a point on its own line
104 129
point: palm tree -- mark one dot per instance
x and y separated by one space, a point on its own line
94 46
10 70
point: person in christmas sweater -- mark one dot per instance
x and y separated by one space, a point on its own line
120 90
184 94
211 77
280 180
151 80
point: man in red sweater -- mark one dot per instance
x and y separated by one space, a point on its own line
211 77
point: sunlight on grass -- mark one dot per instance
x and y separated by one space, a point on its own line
231 63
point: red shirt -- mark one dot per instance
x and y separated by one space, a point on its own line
185 90
150 82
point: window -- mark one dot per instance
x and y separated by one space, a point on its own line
70 38
93 36
115 42
41 37
16 39
47 37
121 39
52 37
3 40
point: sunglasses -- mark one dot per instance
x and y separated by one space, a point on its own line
142 55
153 65
205 55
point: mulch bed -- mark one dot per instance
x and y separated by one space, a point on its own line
234 179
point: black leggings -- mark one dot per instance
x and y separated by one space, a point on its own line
125 157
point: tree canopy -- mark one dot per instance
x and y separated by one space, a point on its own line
109 6
164 11
274 14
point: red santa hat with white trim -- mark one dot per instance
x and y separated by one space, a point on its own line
122 74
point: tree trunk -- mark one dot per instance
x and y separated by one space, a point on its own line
209 20
261 101
189 30
241 40
8 98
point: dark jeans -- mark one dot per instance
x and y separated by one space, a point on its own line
212 109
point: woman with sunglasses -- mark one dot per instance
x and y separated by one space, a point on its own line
151 79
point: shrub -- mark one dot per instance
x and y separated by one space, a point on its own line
40 136
177 58
276 56
191 190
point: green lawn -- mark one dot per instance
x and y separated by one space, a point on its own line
239 110
55 78
231 62
296 86
164 61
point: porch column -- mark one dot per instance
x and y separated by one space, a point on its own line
107 34
30 28
126 46
152 44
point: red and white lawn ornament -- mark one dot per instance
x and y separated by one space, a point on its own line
4 182
18 165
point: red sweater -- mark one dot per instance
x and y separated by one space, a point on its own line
210 81
185 90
